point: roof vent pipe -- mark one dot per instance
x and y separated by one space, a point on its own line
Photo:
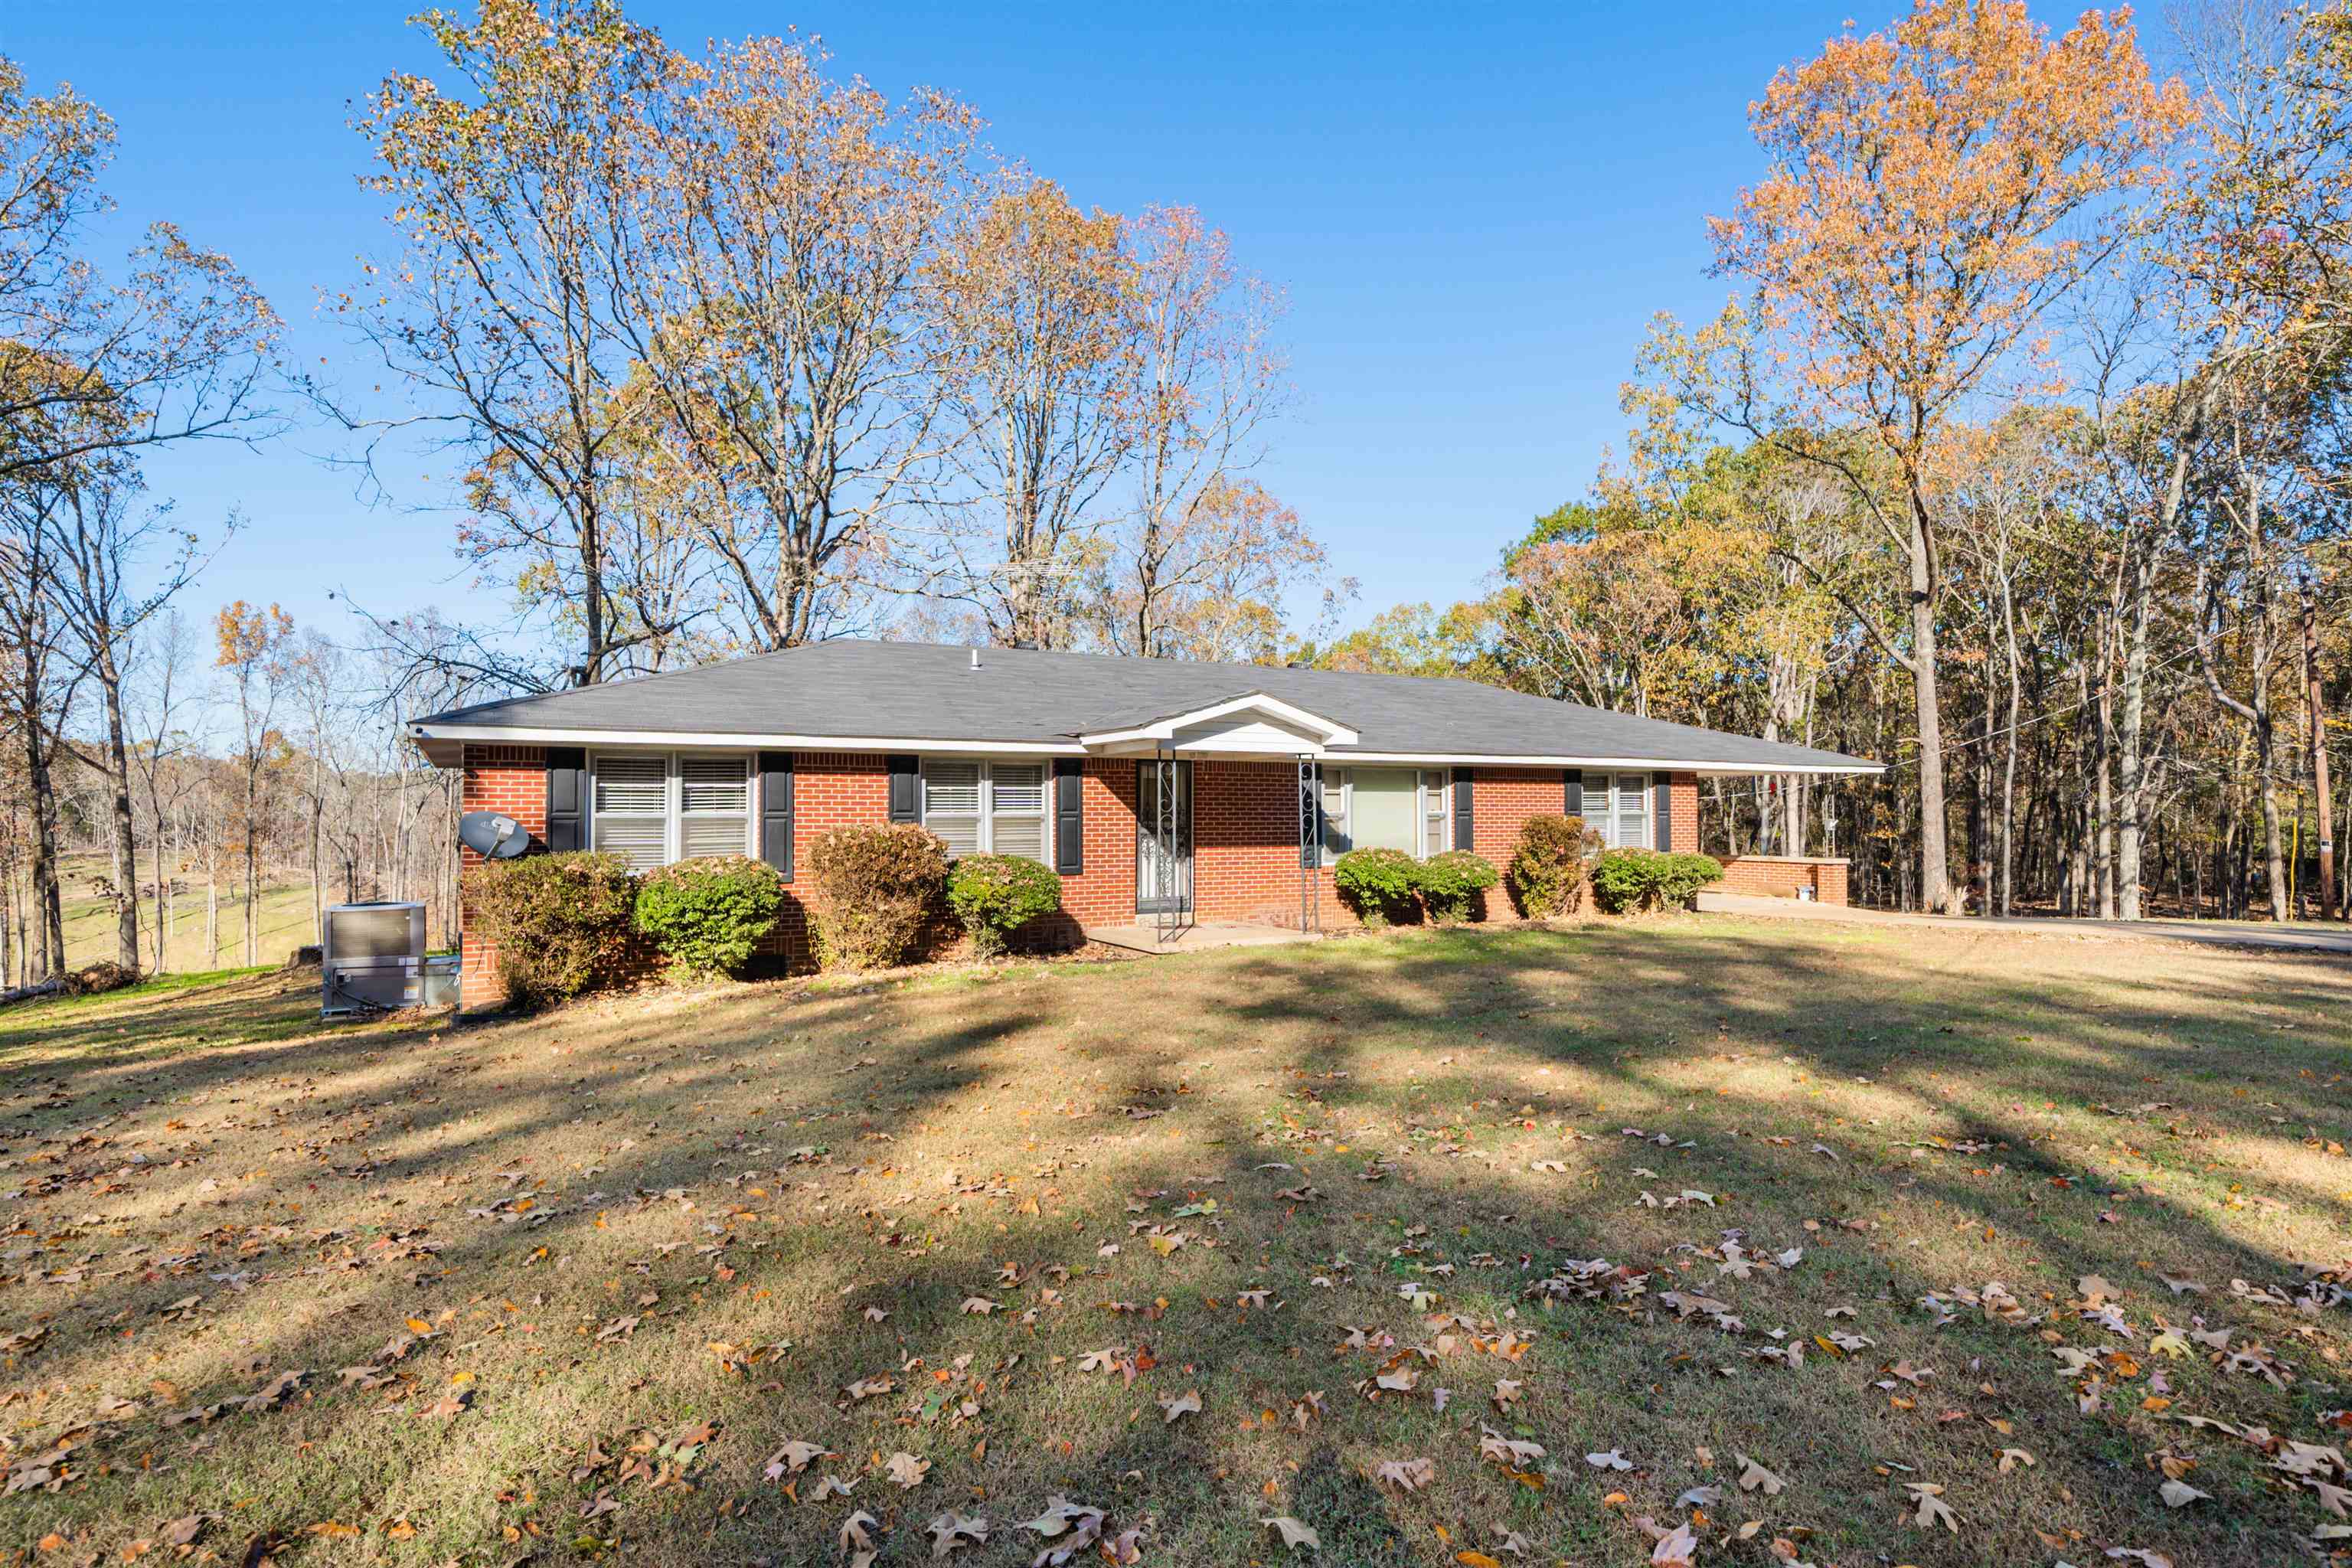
975 658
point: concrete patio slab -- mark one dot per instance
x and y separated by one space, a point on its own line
2303 936
1142 936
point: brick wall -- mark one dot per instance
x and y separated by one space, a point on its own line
1780 877
1681 813
1245 831
511 781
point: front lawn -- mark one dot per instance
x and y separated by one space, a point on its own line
1773 1241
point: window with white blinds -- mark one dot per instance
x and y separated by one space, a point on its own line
1617 807
629 811
951 805
714 806
653 807
1016 810
993 808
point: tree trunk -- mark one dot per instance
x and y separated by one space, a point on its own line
163 883
1935 868
126 839
252 870
48 895
2274 847
2009 763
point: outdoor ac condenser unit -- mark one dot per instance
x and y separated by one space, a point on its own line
372 958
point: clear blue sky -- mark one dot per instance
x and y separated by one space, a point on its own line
1475 212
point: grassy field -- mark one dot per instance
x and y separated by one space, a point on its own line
1746 1242
286 922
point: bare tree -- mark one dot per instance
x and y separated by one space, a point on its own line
502 316
251 648
179 350
785 329
1208 378
159 701
1038 298
41 678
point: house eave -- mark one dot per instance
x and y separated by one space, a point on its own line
443 746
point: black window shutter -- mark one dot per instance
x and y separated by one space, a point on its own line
1661 794
776 811
906 789
1572 793
567 798
1070 815
1461 835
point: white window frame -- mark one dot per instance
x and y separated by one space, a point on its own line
1336 782
1344 781
988 809
674 813
1436 806
1610 819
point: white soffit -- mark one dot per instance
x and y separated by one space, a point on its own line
1225 726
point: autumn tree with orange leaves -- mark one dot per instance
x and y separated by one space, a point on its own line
1934 190
250 646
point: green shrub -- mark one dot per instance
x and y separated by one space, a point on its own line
1450 884
1628 880
996 895
560 924
1546 870
872 890
1378 884
707 914
1685 875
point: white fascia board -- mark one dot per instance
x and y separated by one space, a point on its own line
732 740
1330 731
433 737
1650 764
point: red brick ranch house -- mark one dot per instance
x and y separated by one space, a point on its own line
1159 790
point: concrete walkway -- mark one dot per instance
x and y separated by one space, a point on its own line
1143 936
2301 936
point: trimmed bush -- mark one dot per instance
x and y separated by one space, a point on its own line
1450 884
560 924
996 895
1624 881
707 914
1378 884
872 890
1546 870
1685 875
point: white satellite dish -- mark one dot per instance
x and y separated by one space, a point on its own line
489 833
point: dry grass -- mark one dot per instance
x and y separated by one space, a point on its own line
599 1267
90 916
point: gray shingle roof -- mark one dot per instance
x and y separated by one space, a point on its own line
919 691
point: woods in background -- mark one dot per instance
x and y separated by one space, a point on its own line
2016 458
2018 462
738 355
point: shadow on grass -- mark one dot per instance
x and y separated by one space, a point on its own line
1397 1059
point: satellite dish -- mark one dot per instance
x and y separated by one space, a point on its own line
489 833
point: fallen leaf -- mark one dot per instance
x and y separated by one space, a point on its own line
1293 1534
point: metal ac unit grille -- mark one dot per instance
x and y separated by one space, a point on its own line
360 990
374 930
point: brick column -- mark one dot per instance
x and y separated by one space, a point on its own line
512 782
1681 813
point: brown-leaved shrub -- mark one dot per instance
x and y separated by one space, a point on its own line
560 924
872 892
